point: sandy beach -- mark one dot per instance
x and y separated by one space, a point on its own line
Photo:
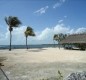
37 64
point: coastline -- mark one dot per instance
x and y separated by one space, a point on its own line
2 47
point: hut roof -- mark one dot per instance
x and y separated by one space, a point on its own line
75 38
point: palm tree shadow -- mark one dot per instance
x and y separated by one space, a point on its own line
36 50
1 60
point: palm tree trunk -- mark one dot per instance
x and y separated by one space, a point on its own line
10 41
59 44
54 43
26 43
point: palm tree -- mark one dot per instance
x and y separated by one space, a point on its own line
12 22
29 32
59 37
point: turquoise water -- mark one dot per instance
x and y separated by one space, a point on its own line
29 46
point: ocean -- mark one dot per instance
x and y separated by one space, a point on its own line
29 46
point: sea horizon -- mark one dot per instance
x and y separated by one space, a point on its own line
29 46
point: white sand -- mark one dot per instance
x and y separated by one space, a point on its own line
37 61
43 55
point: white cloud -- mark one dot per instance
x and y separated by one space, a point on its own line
81 30
61 28
63 0
42 10
17 36
44 33
60 21
65 16
59 3
45 36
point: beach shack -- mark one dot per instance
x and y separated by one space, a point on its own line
74 41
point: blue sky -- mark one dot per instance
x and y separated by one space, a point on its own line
46 17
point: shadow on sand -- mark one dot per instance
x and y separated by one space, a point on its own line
2 59
36 50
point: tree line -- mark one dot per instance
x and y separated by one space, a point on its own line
59 37
12 22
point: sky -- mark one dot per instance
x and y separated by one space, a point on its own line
46 17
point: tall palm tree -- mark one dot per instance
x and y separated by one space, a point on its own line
59 37
29 32
12 22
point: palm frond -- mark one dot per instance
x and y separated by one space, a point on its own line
59 37
29 32
6 20
12 21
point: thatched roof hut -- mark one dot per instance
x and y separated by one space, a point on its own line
77 40
74 39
